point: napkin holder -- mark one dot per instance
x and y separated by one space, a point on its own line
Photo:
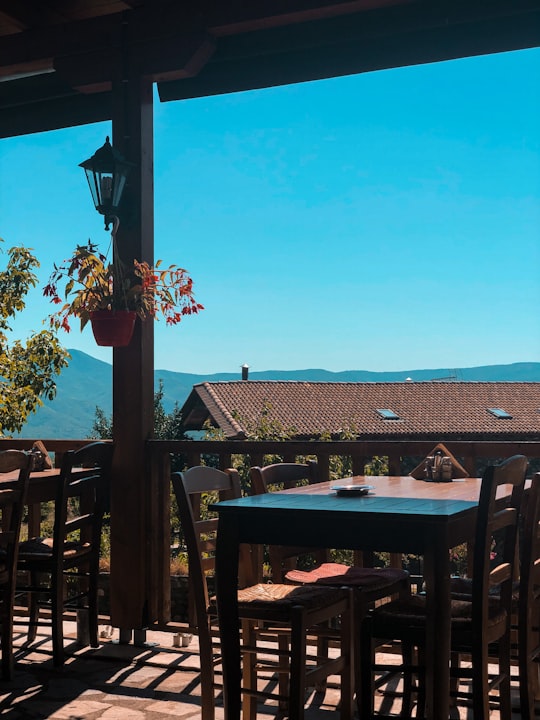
439 466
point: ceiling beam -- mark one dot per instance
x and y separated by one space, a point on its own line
88 54
257 60
159 22
190 50
24 15
222 19
177 57
56 113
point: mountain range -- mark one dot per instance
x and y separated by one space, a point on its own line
87 384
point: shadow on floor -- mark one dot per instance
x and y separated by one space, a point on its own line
155 681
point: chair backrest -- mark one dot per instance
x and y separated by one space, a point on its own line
83 492
200 530
529 579
12 500
283 476
496 537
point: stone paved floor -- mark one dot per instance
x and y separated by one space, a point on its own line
117 682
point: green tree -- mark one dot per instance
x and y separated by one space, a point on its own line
167 426
102 425
27 369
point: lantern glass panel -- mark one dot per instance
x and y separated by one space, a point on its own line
92 185
118 189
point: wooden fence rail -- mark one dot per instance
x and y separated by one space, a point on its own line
472 454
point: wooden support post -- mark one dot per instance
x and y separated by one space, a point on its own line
135 534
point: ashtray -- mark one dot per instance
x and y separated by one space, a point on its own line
351 489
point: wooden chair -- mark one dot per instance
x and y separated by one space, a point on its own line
528 625
369 585
283 476
12 500
290 610
63 571
525 602
476 622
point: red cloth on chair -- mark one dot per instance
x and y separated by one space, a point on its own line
337 574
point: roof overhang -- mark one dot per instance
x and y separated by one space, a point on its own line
58 70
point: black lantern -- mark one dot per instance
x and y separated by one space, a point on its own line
106 172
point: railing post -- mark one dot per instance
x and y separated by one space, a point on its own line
394 463
359 463
323 461
225 461
256 459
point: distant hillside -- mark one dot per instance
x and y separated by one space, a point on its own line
87 384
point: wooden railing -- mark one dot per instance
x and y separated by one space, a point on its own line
473 455
401 456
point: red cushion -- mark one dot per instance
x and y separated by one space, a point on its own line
338 574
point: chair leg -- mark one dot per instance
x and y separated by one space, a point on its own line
284 670
347 642
322 652
33 608
480 685
421 683
206 658
407 702
93 606
297 664
529 667
7 633
364 672
504 687
57 595
249 673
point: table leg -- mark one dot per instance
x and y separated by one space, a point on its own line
437 578
227 549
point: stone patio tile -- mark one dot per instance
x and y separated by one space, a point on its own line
123 682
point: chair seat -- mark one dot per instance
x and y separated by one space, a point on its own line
42 548
410 614
461 589
366 579
273 601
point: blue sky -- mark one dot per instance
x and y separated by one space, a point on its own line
383 221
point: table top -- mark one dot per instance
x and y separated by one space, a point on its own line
390 495
43 484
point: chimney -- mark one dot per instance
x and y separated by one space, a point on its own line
245 371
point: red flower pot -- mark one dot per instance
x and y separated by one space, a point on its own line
113 328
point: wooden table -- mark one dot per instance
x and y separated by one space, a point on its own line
403 515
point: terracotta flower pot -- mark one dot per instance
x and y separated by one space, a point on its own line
113 328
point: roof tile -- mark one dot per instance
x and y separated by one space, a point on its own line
456 409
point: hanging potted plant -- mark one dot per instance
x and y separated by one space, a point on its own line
112 294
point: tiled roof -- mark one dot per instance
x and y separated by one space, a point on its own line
425 409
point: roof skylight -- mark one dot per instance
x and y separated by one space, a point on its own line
387 414
499 413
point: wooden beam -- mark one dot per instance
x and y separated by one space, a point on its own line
178 56
56 113
222 19
25 15
159 21
255 61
